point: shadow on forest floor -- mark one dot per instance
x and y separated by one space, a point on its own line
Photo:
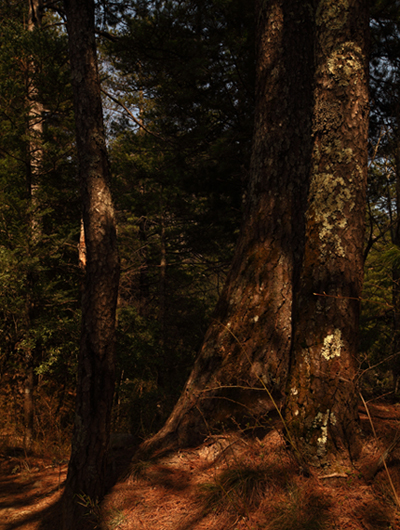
229 482
29 489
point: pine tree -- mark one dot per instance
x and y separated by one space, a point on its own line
269 314
38 284
96 368
322 408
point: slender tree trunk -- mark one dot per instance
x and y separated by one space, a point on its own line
82 247
323 401
395 237
87 466
167 360
248 342
35 155
144 284
29 404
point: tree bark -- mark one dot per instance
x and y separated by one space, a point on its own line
248 342
87 466
395 238
33 167
322 398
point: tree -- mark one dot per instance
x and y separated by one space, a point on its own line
38 210
322 407
35 149
310 127
248 342
95 386
179 171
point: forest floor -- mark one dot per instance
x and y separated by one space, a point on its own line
232 481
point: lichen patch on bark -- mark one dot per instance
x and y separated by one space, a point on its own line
344 62
321 422
333 345
333 13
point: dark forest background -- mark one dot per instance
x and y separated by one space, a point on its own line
178 88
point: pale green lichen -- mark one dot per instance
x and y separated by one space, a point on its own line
344 62
333 13
332 196
321 422
333 345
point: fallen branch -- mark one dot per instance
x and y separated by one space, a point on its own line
335 475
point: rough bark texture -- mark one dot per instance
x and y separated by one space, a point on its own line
86 471
322 402
248 342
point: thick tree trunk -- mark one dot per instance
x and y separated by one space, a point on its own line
249 340
322 402
87 466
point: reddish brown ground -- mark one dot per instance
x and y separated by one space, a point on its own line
230 482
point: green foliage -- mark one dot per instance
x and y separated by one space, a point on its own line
39 278
377 314
92 509
178 187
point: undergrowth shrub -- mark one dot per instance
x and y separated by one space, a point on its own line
53 420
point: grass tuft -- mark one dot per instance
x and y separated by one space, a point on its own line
239 488
301 509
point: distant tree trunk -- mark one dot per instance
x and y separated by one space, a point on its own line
87 466
29 387
162 278
248 342
322 398
82 247
394 218
35 155
164 377
395 238
144 284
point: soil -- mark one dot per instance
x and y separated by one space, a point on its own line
232 481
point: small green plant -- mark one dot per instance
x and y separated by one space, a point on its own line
92 508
